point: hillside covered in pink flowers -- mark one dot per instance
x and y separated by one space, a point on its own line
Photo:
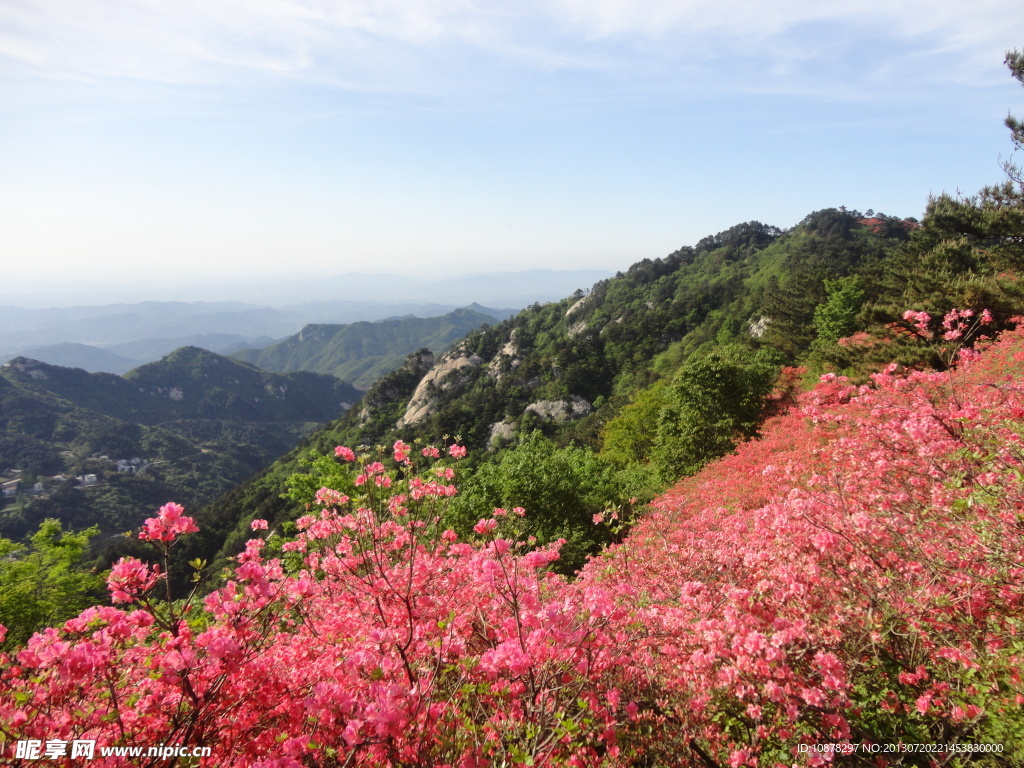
853 578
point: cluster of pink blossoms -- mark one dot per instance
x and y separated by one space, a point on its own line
955 323
346 454
919 319
169 524
486 526
130 578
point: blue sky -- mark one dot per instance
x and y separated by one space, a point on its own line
182 142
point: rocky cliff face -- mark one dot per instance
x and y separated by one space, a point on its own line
519 370
447 374
507 359
390 388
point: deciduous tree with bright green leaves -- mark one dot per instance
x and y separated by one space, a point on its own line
714 401
836 317
629 437
41 582
562 488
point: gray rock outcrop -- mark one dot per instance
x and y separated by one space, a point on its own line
507 359
381 393
501 433
759 326
447 374
560 410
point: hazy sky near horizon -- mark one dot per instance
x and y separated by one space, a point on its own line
185 141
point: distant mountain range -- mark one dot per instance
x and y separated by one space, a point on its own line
174 324
71 354
125 337
503 289
121 358
363 352
273 310
195 421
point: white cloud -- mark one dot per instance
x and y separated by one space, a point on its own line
746 20
439 45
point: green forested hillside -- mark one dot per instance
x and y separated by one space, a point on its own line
191 383
661 368
363 352
188 427
567 368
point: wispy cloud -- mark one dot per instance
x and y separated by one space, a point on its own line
440 46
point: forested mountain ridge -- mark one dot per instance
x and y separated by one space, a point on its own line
191 383
93 448
569 369
362 352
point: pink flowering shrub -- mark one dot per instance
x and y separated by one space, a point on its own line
168 525
377 639
962 326
855 576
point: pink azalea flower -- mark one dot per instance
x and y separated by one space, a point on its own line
168 524
344 453
485 526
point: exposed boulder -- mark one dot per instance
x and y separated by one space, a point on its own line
560 410
759 326
507 359
501 433
577 305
